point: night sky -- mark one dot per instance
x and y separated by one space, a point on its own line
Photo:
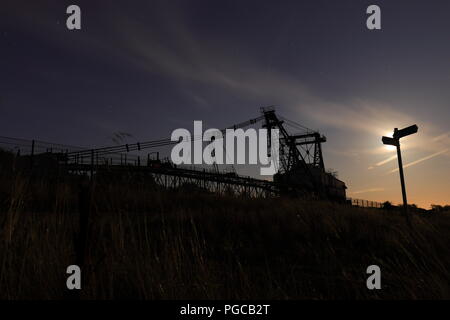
149 67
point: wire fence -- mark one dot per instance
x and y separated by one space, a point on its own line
74 154
99 156
365 203
28 147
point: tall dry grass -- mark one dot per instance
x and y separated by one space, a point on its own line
145 243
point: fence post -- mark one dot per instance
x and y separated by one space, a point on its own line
32 155
92 165
85 190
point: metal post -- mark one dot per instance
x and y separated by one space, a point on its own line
402 180
395 141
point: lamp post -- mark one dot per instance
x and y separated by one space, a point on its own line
395 141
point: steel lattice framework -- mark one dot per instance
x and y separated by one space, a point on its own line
300 160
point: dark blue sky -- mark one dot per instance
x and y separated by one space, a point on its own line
148 67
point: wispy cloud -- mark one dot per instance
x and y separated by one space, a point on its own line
431 156
383 162
445 138
367 191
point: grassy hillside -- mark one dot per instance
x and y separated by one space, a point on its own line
152 244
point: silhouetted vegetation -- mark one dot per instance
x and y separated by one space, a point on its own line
148 243
438 208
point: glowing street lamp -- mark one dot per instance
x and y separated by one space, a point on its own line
395 141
